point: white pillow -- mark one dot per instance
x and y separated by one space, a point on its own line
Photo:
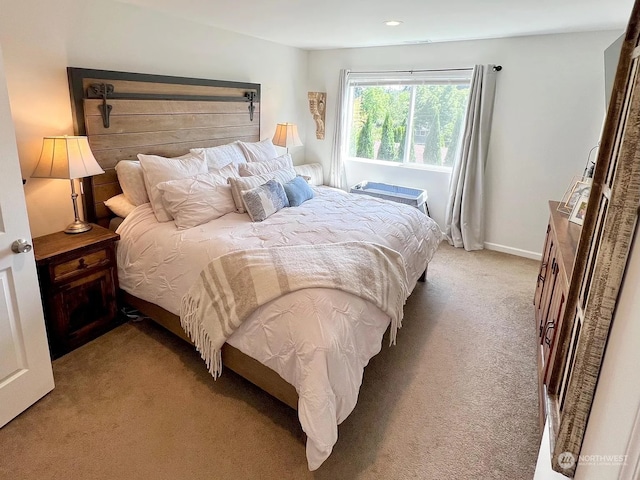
131 181
120 205
218 157
160 169
247 183
313 171
258 151
267 166
283 175
196 200
230 170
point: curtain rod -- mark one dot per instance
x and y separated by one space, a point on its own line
496 68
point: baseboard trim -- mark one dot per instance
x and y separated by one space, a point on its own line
513 251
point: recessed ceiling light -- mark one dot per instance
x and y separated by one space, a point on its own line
392 23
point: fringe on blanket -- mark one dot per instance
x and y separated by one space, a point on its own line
212 356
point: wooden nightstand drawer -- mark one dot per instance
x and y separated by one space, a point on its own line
77 265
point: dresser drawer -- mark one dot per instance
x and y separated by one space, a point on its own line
68 269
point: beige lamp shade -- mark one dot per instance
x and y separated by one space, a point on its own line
66 157
287 135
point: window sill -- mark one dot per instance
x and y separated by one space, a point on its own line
411 166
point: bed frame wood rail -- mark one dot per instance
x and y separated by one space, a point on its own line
232 358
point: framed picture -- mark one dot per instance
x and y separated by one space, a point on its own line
579 209
579 187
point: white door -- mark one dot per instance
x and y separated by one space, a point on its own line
25 365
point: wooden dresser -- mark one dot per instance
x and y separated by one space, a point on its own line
78 283
552 288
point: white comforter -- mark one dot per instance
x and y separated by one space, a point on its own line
318 340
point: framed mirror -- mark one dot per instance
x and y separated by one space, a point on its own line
608 228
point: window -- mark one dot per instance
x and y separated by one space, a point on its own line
407 117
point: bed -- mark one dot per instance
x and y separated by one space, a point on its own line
307 347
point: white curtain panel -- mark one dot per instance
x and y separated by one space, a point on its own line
337 173
464 221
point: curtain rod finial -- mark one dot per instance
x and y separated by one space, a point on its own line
497 68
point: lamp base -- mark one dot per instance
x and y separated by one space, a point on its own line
78 227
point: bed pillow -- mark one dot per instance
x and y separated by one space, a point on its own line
258 151
266 166
193 201
247 183
283 175
218 157
131 179
230 170
120 205
160 169
313 171
263 201
298 191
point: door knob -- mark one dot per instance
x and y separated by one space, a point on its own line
21 246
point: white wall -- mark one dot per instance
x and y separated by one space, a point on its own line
41 39
548 114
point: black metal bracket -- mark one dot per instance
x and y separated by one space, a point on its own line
251 96
102 90
107 90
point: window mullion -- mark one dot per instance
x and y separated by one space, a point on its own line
409 133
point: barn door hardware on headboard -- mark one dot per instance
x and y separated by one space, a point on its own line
251 96
103 91
106 91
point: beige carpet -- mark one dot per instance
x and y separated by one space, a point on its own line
455 399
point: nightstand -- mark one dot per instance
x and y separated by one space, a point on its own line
78 283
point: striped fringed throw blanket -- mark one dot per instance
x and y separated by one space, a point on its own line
232 286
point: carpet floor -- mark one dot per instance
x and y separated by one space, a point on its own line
455 399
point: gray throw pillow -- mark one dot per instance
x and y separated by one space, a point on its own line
265 200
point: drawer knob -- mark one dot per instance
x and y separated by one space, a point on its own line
81 264
21 246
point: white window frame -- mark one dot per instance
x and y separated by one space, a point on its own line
402 77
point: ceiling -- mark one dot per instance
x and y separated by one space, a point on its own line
325 24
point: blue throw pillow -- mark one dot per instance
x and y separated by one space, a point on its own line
298 191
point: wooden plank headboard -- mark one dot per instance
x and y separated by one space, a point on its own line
154 114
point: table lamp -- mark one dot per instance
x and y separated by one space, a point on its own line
68 158
286 136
